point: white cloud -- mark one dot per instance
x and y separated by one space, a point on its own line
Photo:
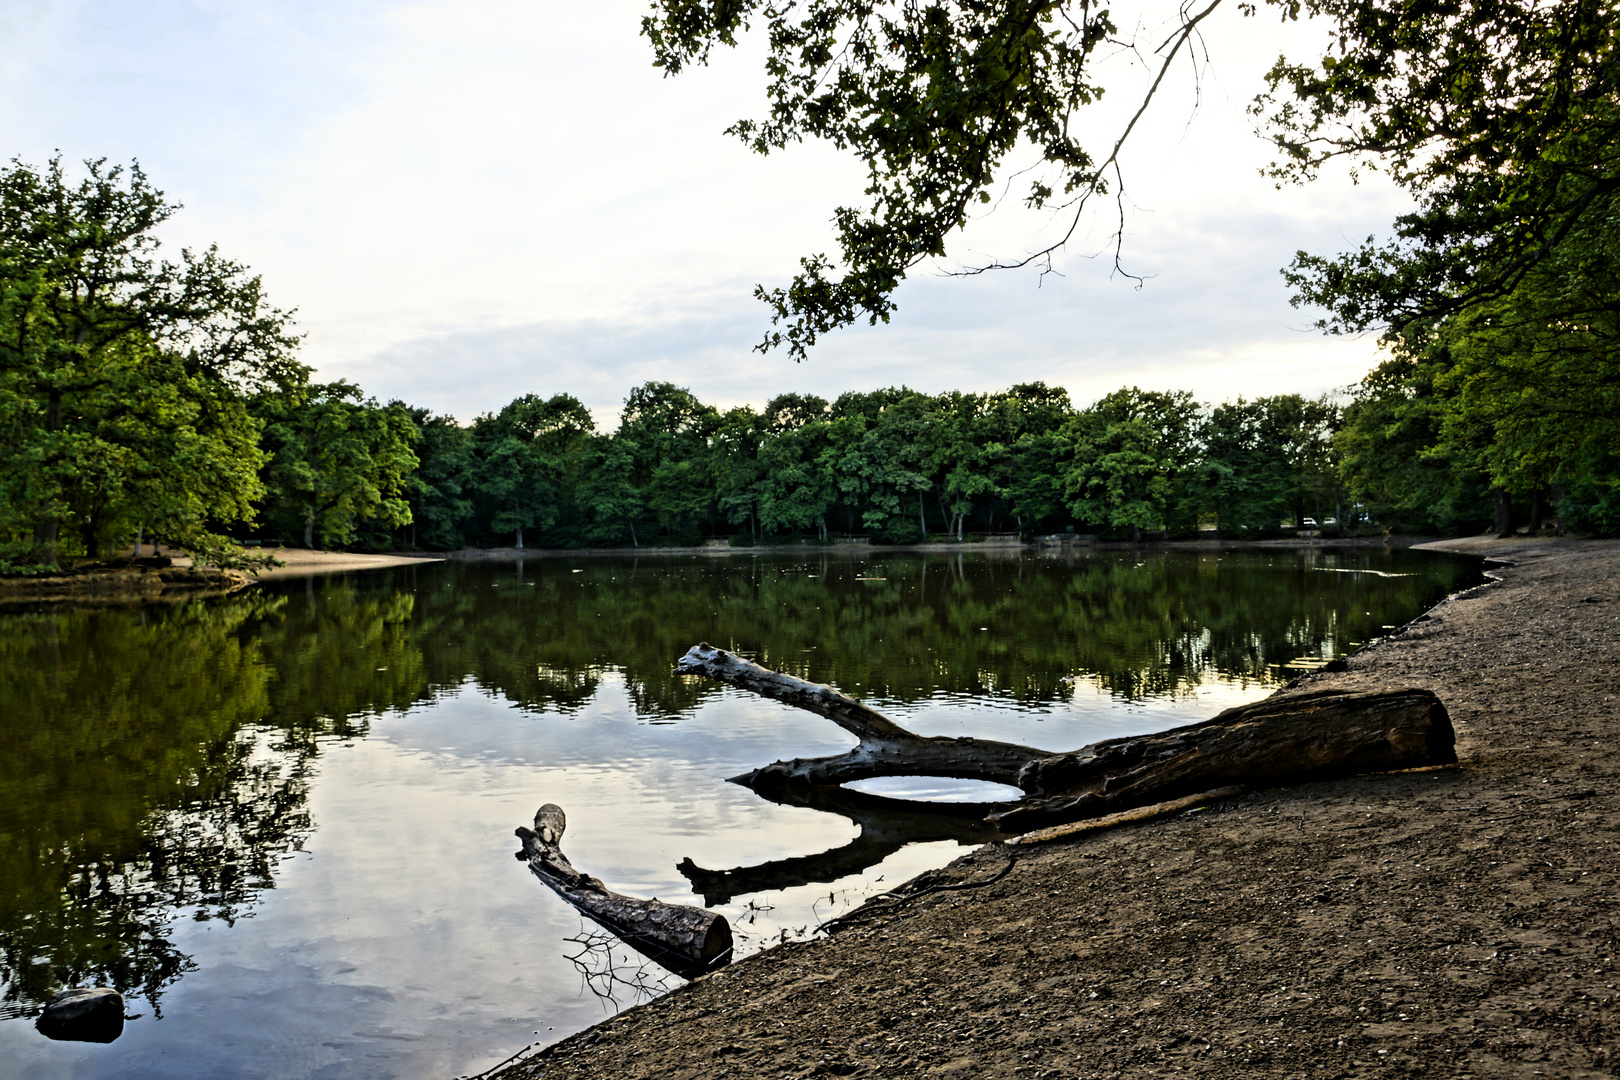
467 202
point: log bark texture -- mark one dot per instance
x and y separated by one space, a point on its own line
687 940
1276 741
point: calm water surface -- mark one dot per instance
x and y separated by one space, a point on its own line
281 822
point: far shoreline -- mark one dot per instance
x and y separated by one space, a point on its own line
514 554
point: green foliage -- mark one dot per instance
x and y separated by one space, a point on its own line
1501 117
523 456
1519 395
441 490
123 377
930 97
1133 459
336 460
9 568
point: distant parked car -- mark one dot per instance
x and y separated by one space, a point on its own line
1309 523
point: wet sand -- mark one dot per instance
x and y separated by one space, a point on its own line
1460 922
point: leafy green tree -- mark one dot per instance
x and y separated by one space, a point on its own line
887 462
1500 116
1135 453
798 485
1270 459
1539 371
122 375
666 431
1022 431
440 490
524 455
1245 473
1392 459
336 459
609 499
737 467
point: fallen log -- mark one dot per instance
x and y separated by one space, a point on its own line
886 748
1286 740
1280 740
688 941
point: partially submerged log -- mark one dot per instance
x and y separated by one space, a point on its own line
1276 741
687 940
886 748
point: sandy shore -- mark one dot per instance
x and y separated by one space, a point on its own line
301 562
1461 923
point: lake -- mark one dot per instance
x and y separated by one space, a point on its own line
281 822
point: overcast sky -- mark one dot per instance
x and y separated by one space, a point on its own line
470 201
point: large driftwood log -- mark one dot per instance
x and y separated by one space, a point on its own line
1276 741
688 941
886 748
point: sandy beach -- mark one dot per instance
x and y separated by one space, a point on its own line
301 562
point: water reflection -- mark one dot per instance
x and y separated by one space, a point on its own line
157 765
886 825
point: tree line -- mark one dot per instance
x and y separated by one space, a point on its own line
893 466
146 401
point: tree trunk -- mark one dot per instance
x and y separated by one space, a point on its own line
1504 513
1538 510
1276 741
309 528
688 941
922 519
520 537
630 521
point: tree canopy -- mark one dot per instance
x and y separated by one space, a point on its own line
1499 115
122 376
149 400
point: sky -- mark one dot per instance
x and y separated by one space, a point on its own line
470 201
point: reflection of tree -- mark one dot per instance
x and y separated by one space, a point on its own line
130 790
140 780
1136 625
617 982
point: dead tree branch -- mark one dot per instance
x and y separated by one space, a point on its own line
688 941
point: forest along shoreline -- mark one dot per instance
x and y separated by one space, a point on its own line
1461 921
